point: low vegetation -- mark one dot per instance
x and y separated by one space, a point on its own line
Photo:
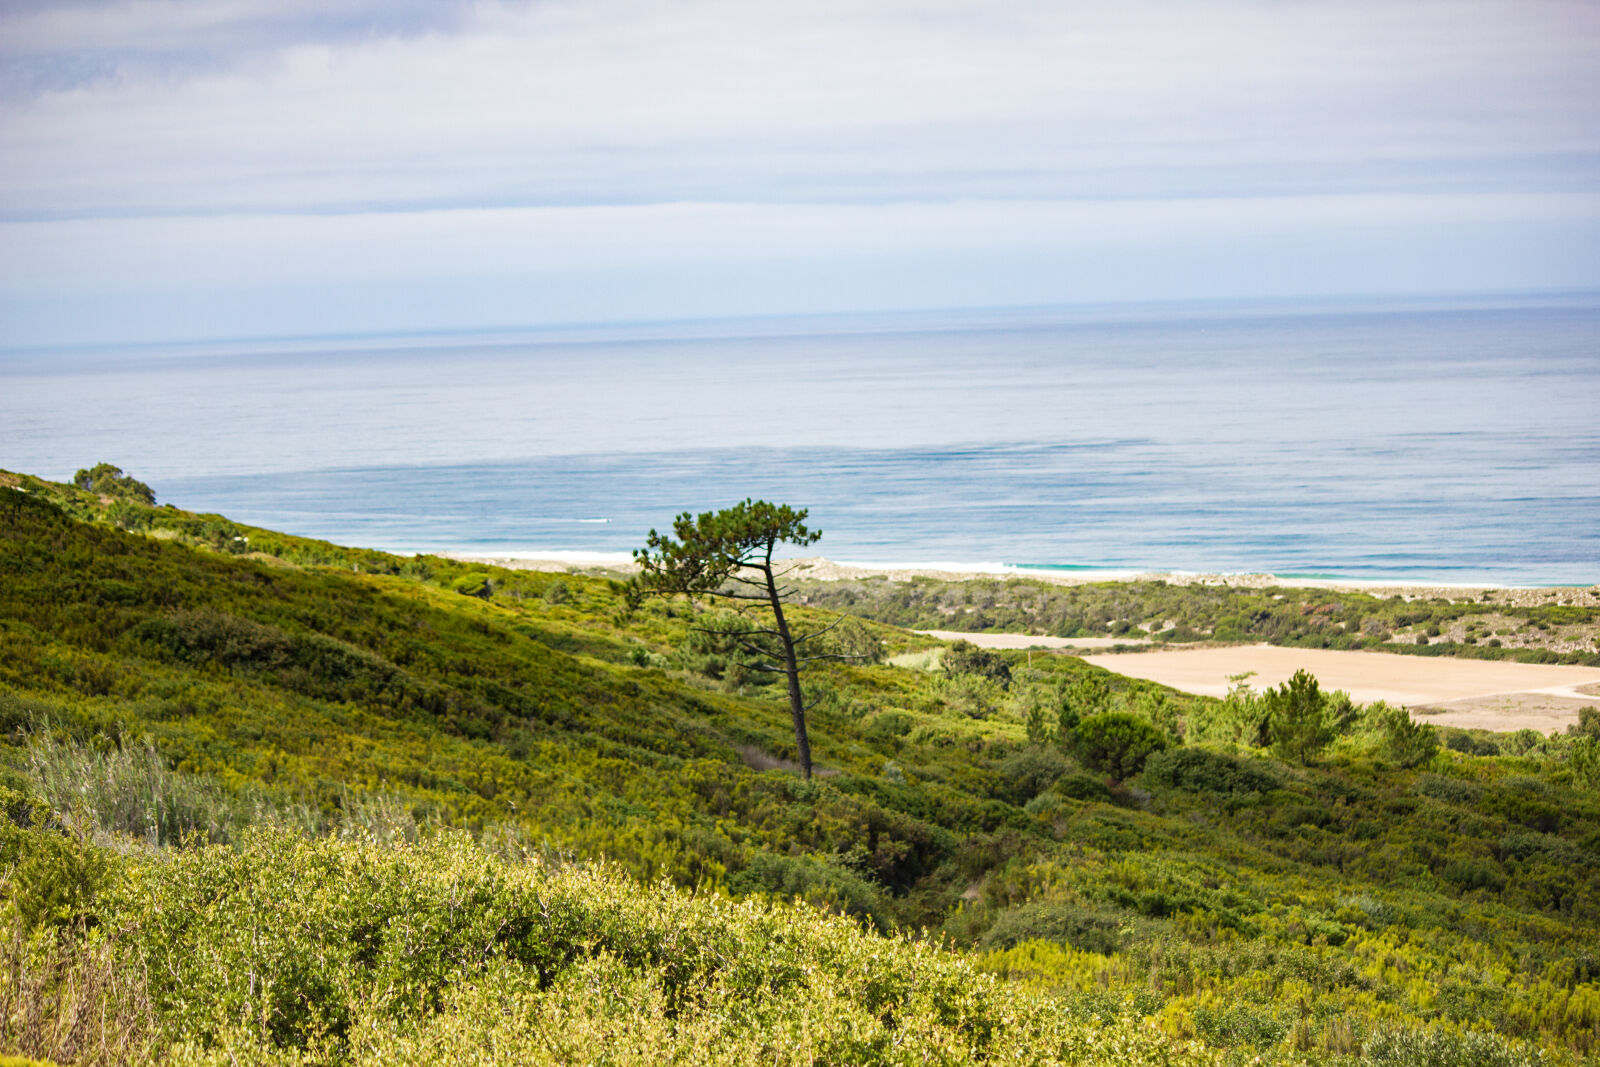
270 800
1486 625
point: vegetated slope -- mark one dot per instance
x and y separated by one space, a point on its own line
157 687
1493 625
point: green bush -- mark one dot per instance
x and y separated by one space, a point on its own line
476 584
1116 743
1068 924
1197 770
963 657
1080 786
284 950
107 480
814 881
52 879
1406 742
1449 790
1031 772
1474 874
1413 1047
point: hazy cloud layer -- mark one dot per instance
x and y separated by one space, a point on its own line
1009 124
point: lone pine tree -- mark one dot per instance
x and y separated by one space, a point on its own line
729 553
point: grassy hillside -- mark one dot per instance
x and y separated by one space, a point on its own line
234 761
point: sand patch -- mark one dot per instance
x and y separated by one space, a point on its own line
1506 712
1482 694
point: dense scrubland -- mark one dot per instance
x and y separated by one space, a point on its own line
1489 624
271 800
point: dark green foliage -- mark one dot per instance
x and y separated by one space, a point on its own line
827 884
729 553
1449 790
1087 695
1116 743
1584 759
476 584
1298 718
107 480
1198 770
1080 786
1030 772
1037 725
1406 742
1588 724
963 657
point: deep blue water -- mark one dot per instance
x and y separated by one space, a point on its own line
1454 441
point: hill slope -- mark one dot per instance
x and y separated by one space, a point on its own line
180 681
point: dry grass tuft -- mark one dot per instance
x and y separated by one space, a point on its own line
71 1002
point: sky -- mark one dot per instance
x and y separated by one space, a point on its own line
184 169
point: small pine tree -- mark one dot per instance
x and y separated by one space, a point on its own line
1406 743
1037 725
1297 718
1116 743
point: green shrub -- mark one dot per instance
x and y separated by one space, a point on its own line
1080 786
52 879
1253 1025
1474 874
107 480
1068 924
1415 1047
1197 770
887 726
1584 759
1449 790
814 881
476 584
1030 772
963 657
1406 742
1116 743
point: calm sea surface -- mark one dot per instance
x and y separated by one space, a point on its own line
1448 441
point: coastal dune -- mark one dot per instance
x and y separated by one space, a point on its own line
1474 694
1449 691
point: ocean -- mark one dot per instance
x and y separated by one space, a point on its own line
1448 440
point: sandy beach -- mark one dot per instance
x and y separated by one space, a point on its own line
1448 691
1477 694
826 570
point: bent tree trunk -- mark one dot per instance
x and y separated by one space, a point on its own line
791 669
734 545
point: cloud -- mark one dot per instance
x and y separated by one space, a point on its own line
160 160
608 101
153 278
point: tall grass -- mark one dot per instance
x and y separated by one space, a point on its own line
113 795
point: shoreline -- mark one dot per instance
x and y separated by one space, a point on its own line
816 568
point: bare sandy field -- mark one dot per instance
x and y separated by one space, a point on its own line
1480 694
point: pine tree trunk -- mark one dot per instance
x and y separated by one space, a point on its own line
791 668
